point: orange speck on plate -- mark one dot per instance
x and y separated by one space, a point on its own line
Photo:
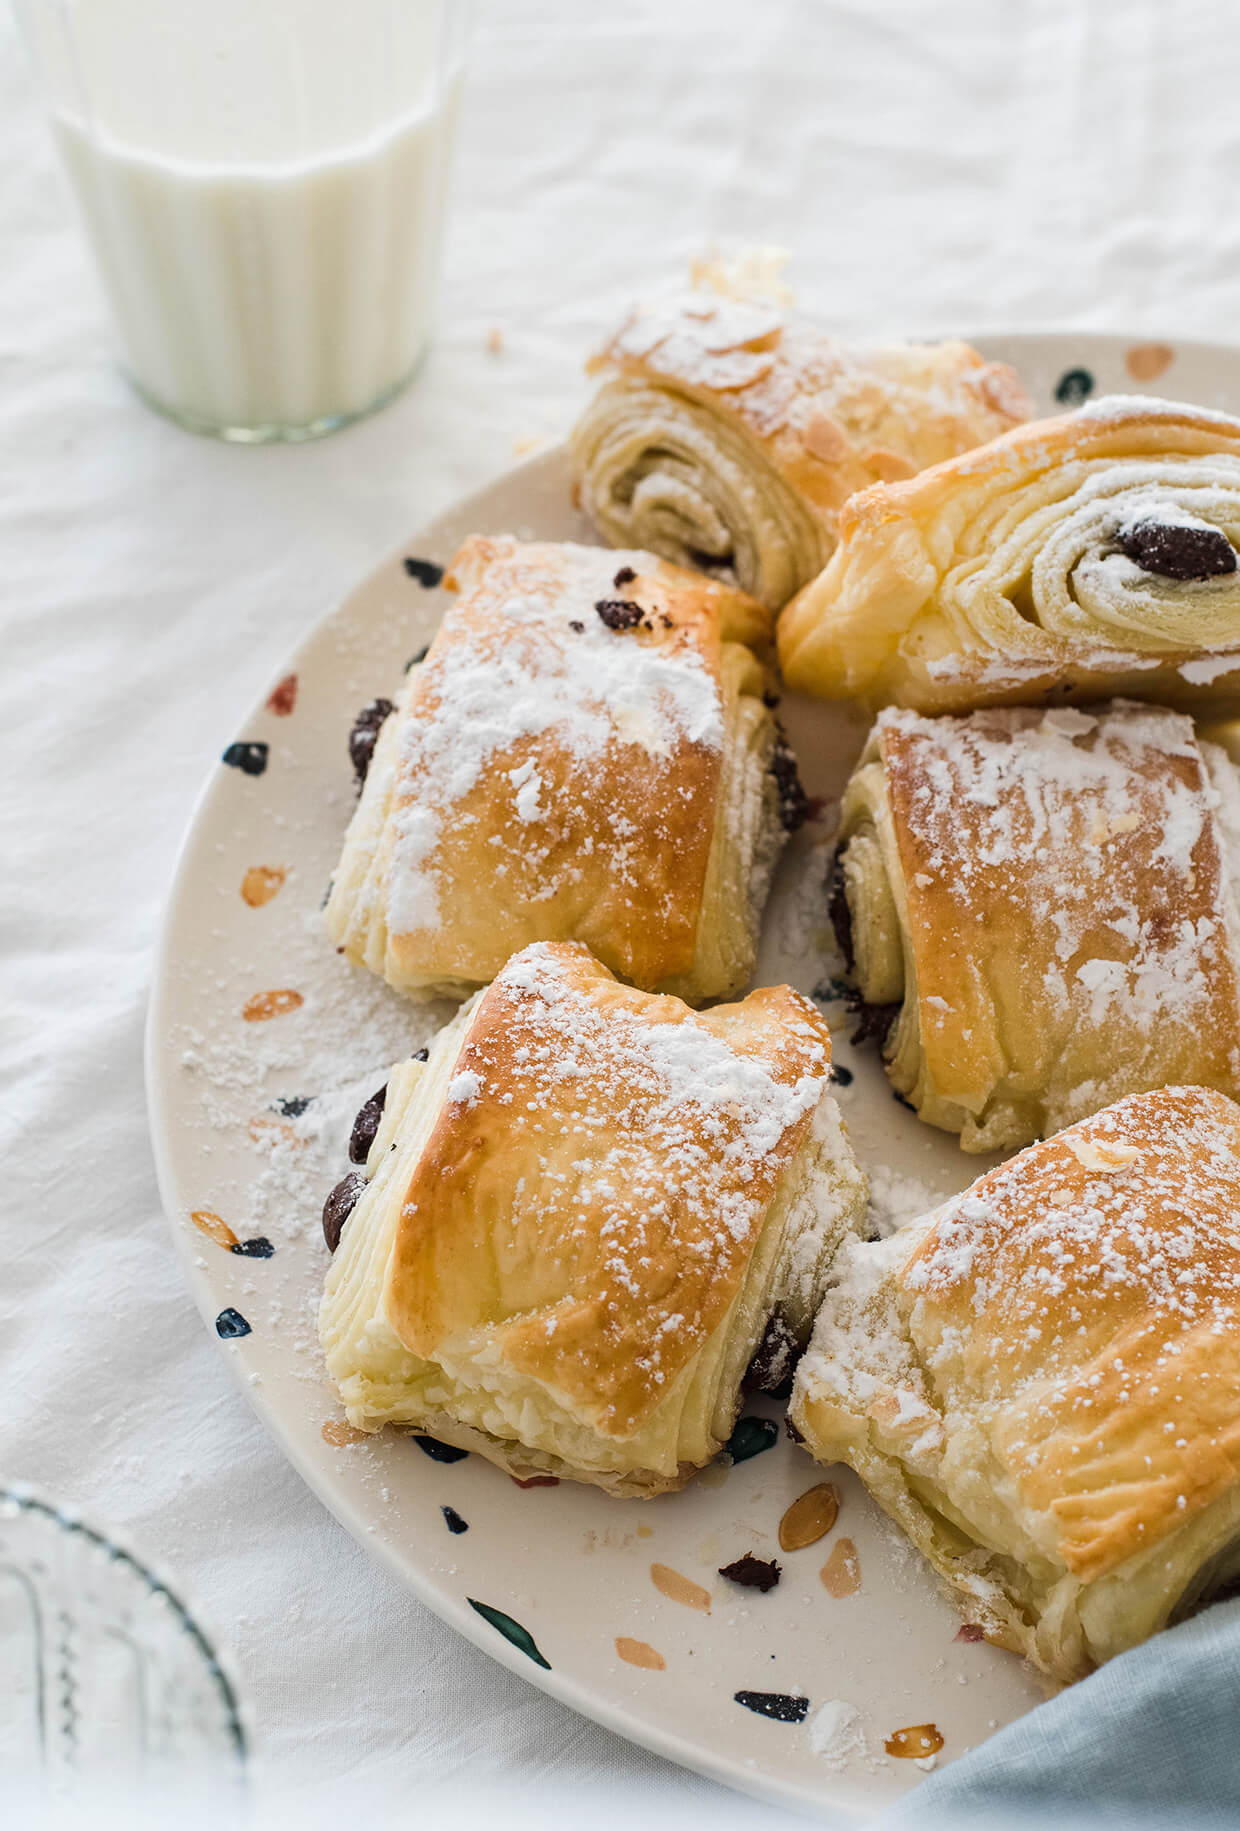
263 1130
261 883
645 1532
214 1227
809 1518
283 697
638 1653
841 1574
679 1589
265 1005
915 1742
338 1433
1147 361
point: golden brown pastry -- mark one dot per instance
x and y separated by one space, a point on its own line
1039 1380
1068 560
1041 905
729 432
585 753
587 1214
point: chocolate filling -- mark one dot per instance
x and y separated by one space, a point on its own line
874 1021
1170 551
839 911
364 734
774 1360
793 801
340 1205
366 1125
619 613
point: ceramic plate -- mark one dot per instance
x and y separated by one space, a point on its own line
262 1044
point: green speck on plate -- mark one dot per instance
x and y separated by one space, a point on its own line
751 1437
511 1630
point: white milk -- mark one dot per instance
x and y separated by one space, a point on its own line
267 215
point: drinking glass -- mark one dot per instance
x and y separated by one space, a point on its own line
263 183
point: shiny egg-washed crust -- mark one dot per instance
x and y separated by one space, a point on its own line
731 432
1039 1381
1048 896
996 578
547 777
581 1215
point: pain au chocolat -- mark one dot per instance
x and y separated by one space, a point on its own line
730 432
587 752
1067 560
1038 1381
586 1219
1040 911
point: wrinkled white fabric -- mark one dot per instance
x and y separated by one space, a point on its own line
937 167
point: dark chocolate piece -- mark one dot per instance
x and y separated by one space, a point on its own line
453 1520
364 733
840 912
752 1573
1172 552
619 613
231 1325
793 801
774 1358
340 1205
259 1247
366 1125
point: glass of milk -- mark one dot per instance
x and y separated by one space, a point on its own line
263 183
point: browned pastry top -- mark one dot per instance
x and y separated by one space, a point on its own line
595 1184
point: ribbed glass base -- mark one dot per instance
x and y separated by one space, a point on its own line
269 434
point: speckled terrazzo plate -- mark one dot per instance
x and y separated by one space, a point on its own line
261 1046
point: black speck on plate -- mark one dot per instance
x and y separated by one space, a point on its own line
247 756
843 1077
231 1325
440 1452
453 1520
294 1106
751 1437
425 571
1073 387
774 1704
258 1248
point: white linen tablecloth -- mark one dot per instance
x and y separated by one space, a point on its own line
936 167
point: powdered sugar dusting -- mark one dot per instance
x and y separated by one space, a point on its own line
524 656
1098 827
655 1138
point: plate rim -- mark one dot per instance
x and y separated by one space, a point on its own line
455 1613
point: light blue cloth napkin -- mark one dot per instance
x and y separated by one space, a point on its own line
1151 1739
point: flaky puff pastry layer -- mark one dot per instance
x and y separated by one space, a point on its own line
1039 1380
1048 901
730 432
583 1212
1008 575
552 775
